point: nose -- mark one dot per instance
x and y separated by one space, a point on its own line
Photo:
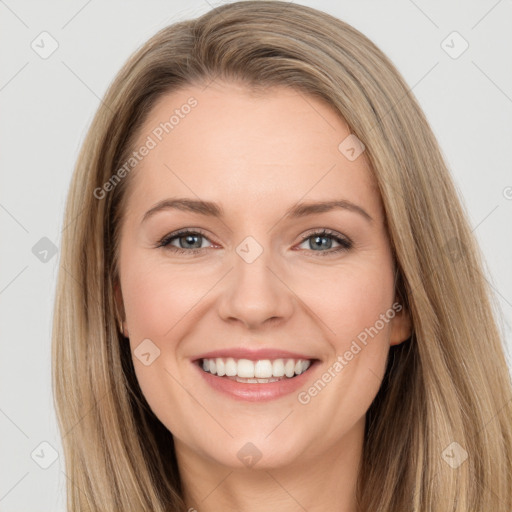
256 294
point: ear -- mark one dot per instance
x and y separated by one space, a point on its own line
401 326
120 316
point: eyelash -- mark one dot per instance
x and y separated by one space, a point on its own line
345 243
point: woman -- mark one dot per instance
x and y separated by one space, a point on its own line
247 371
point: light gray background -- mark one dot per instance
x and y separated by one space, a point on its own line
48 104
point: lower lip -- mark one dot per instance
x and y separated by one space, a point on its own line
257 392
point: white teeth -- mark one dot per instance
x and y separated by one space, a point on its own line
230 366
220 367
278 368
245 368
289 368
261 371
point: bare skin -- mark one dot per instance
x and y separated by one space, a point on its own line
256 156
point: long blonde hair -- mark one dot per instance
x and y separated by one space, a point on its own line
448 384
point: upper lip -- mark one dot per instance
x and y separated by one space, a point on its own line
253 355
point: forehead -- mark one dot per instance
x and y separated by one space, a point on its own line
230 145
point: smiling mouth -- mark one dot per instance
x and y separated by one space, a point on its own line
261 371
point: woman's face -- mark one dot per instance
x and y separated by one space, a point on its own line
252 283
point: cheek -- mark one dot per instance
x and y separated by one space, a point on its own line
351 300
361 343
158 300
157 297
353 307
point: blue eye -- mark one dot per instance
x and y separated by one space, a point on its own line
191 242
323 240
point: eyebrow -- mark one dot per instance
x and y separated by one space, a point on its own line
212 209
